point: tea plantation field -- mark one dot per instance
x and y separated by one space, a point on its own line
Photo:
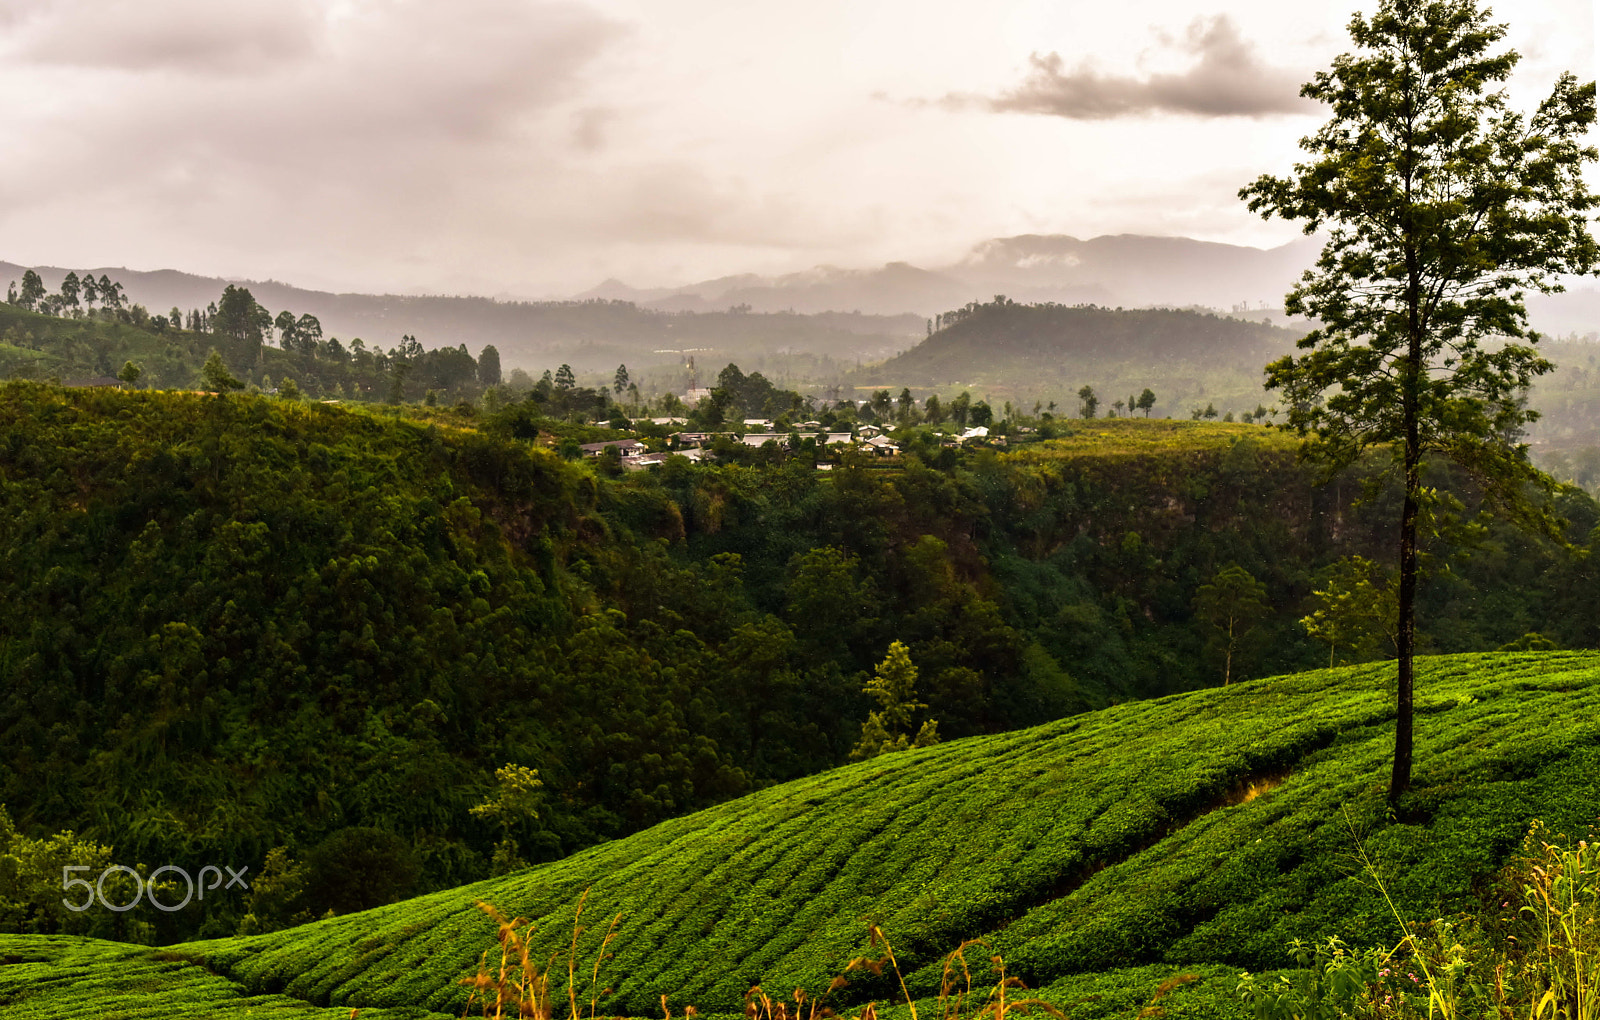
1097 854
62 978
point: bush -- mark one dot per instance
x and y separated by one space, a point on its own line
357 868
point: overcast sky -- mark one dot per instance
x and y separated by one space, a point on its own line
530 148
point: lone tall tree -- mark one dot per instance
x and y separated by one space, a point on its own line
1441 207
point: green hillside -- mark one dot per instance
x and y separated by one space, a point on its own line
1119 839
244 626
1027 351
37 346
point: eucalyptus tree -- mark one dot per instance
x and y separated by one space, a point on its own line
69 291
33 290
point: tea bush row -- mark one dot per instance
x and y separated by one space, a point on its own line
1110 840
71 978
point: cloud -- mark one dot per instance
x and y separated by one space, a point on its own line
1227 79
355 94
589 127
194 36
342 135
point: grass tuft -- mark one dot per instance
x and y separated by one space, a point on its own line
519 983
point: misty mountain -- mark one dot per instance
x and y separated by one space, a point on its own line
1123 270
1132 270
899 286
818 322
1126 269
593 335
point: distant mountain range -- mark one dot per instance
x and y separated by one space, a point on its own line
1126 269
834 314
1123 270
592 335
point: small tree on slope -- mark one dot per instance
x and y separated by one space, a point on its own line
1441 206
893 685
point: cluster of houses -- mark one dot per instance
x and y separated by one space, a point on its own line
635 453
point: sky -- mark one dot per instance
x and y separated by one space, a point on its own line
533 148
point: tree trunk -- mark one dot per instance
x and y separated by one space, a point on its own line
1400 779
1410 414
1227 663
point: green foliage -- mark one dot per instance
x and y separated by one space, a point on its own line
241 325
1231 604
277 895
1356 612
253 623
360 867
1532 641
216 376
63 342
32 290
893 686
516 796
1048 350
85 979
1532 954
1087 402
1432 240
286 619
31 877
489 366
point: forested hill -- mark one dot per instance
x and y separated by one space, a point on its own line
238 624
1009 347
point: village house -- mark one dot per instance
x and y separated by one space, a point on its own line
626 447
782 438
645 460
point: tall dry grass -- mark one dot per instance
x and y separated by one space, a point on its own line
519 983
519 986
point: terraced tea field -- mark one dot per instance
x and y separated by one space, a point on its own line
1200 831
